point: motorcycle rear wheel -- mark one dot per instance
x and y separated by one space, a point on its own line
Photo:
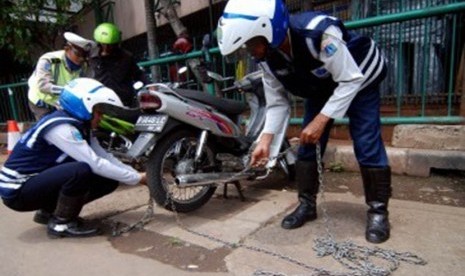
173 155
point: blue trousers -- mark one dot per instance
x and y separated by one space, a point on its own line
72 179
364 126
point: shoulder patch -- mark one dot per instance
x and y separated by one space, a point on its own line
77 135
328 45
47 67
330 49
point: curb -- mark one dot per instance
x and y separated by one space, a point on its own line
403 161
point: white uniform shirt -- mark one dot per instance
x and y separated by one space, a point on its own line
343 69
68 139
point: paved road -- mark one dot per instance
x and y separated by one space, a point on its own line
434 232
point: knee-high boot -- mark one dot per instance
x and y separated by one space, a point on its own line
307 186
377 185
65 222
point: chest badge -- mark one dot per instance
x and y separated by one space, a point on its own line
320 72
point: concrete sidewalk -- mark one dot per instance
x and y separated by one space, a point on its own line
433 232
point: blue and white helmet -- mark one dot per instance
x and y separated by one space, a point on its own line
80 95
243 20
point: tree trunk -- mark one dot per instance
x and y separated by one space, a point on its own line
168 11
152 38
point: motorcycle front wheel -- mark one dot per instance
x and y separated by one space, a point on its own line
174 155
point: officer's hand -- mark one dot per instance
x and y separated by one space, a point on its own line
143 178
312 132
260 156
261 152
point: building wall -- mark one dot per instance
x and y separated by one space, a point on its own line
129 15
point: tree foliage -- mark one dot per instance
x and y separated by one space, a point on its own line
31 27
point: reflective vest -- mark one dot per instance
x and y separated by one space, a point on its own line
60 75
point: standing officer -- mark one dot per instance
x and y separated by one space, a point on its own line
313 56
54 70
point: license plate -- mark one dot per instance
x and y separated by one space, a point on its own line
154 123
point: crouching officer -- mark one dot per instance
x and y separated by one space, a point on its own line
58 166
54 70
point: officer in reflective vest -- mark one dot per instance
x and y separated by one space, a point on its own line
54 70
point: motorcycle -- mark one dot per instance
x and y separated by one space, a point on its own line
116 130
195 141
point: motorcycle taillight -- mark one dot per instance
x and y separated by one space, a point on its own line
149 101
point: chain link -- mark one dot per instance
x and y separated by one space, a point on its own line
354 257
139 225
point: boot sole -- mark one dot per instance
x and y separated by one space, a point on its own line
56 235
298 225
376 240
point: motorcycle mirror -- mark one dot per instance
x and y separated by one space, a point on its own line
138 85
182 70
218 77
215 76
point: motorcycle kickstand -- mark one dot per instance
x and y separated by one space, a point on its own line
238 186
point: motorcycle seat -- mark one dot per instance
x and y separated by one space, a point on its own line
227 106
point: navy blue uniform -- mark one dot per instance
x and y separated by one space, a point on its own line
37 171
337 72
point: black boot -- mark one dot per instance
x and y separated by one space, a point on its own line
377 185
42 217
65 221
307 185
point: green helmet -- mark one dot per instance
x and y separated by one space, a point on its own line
107 33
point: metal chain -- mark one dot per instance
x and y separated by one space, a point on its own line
241 244
350 255
316 271
144 220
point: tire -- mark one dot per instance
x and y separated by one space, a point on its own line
166 161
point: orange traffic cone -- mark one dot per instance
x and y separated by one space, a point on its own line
13 134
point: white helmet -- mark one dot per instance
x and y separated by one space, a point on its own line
80 95
243 20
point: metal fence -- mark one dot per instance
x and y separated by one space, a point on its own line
423 41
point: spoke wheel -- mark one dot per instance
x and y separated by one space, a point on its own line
174 155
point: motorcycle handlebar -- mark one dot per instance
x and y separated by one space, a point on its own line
230 89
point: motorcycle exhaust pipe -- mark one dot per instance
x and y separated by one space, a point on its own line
201 179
